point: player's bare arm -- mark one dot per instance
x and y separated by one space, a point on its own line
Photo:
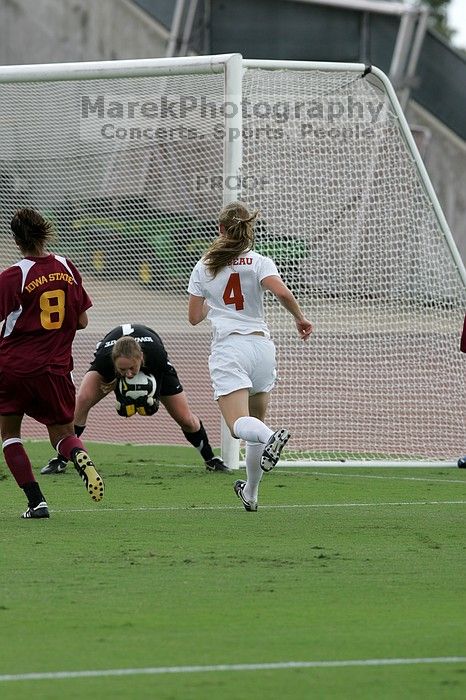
107 387
285 296
197 309
83 320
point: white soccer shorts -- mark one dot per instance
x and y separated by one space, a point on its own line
242 362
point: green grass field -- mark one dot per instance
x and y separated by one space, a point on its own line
168 589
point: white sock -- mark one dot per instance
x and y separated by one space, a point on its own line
252 430
253 470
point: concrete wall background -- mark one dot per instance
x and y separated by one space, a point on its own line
445 161
55 31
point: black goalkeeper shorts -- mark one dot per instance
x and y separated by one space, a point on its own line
170 385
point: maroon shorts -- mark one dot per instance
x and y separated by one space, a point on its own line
48 398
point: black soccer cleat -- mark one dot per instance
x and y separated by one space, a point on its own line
40 511
462 462
216 464
273 449
57 465
88 473
250 506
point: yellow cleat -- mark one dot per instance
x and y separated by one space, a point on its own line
88 473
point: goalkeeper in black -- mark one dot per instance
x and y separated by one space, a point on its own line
123 352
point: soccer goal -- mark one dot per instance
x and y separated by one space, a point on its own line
132 161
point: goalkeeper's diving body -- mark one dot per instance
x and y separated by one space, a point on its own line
227 286
124 352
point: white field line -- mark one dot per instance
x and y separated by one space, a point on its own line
160 670
374 476
151 509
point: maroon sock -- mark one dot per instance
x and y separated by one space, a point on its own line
18 462
66 446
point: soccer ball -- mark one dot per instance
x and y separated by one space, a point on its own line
139 389
136 395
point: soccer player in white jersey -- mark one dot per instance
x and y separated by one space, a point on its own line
227 286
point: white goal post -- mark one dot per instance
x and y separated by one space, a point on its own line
132 161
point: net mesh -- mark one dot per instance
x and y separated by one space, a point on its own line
127 210
356 238
130 171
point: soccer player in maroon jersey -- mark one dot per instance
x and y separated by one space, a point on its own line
462 460
42 303
463 336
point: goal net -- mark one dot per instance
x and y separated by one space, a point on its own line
375 268
132 161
